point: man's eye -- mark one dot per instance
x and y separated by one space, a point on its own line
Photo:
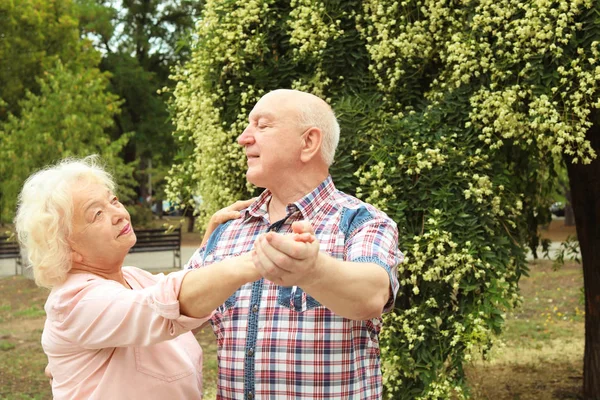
115 199
98 214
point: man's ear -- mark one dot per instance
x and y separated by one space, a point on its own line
311 144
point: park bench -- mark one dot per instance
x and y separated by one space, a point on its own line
149 240
10 249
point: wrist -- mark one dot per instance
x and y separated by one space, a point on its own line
241 270
319 272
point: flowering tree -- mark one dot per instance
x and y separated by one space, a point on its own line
454 115
54 100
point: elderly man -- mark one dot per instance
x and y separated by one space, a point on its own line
309 328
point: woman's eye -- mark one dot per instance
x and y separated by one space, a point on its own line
115 199
98 214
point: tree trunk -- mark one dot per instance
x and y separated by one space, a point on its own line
191 223
569 216
585 192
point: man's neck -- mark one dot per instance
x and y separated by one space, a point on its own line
277 209
286 194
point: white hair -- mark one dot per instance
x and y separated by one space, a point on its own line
320 115
45 214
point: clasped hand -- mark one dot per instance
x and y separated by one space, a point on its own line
288 260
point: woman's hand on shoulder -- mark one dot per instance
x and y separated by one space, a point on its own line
225 214
230 212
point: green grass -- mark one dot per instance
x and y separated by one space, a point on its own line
24 396
6 345
22 360
552 307
540 353
31 312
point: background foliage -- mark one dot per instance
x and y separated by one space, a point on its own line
34 34
55 100
455 116
140 41
83 76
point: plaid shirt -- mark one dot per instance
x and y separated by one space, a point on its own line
280 343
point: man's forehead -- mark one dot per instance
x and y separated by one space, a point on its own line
257 113
272 111
277 105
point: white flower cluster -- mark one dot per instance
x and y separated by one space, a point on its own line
311 28
554 118
436 257
381 192
398 39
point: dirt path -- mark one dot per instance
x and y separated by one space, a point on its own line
557 231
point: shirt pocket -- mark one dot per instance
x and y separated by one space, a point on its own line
167 361
296 299
373 327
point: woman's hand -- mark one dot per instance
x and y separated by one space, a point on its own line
48 373
224 215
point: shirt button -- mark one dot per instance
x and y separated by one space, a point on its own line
251 352
250 395
255 308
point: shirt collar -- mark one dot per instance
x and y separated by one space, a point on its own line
259 207
307 205
317 199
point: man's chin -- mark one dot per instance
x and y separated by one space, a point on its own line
255 180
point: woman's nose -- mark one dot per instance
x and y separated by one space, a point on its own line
119 213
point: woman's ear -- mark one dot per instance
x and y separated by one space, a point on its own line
76 257
311 144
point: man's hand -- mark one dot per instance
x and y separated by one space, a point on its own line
288 260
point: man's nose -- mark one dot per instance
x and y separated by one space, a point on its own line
246 137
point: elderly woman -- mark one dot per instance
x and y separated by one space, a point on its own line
114 332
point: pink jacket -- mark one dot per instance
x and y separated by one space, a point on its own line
104 341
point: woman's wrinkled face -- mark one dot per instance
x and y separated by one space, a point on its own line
101 232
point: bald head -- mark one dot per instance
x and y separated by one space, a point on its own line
311 111
296 96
